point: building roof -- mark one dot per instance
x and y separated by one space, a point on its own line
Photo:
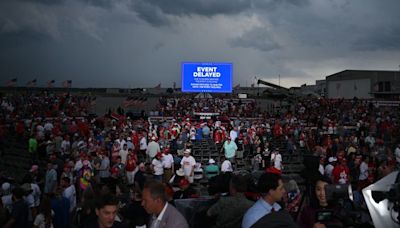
349 74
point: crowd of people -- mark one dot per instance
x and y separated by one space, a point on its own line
114 171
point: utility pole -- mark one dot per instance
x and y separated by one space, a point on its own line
279 80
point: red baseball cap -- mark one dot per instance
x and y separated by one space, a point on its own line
114 170
183 182
273 170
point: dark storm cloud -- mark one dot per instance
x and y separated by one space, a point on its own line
258 38
21 18
47 2
152 10
202 7
129 43
150 13
99 3
9 41
271 4
379 39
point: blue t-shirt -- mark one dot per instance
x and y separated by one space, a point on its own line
199 134
19 213
60 206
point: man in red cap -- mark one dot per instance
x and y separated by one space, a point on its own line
186 190
113 182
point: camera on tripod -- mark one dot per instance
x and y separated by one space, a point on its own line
342 214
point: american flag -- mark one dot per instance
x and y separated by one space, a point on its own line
32 82
134 102
12 82
67 84
117 116
50 83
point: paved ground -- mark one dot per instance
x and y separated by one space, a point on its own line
103 104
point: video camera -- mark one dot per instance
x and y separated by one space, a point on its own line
334 192
344 213
383 200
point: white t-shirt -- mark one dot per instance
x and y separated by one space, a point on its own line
152 149
48 126
66 147
121 142
397 154
328 170
158 167
363 171
168 161
40 221
143 143
30 201
36 194
233 134
70 194
7 202
78 165
124 154
226 166
187 164
321 169
277 159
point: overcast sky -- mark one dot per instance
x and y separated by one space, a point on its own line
140 43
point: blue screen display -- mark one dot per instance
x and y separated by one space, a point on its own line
207 77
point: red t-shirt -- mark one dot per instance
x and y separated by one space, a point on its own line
130 165
341 175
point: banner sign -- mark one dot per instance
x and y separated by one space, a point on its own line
207 77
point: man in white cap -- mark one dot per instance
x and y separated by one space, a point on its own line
130 143
188 163
329 168
226 165
152 149
211 169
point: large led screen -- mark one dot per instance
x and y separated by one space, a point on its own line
207 77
